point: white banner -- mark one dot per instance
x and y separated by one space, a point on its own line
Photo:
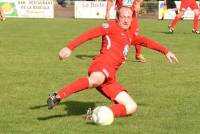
92 9
28 8
170 14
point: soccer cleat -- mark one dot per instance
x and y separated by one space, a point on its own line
195 31
171 30
52 100
88 115
140 58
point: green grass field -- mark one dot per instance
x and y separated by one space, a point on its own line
168 95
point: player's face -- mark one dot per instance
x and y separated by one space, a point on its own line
125 18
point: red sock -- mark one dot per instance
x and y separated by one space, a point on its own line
138 50
196 22
118 110
75 86
174 22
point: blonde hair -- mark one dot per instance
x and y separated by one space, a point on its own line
119 10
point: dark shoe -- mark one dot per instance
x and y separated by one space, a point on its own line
171 30
52 100
195 31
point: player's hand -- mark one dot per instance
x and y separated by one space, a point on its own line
137 7
64 53
170 56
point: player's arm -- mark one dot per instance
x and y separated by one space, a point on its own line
139 40
108 7
91 34
140 1
137 5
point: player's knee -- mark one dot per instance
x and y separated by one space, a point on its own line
196 13
127 101
96 79
131 108
95 82
181 14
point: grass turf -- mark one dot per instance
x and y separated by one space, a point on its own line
167 94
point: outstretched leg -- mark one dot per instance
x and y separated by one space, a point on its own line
95 79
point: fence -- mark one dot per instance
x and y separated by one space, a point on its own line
149 9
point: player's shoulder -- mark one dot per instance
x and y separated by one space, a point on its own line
108 24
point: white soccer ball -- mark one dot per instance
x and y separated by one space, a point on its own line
102 115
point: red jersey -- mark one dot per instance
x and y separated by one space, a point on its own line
115 42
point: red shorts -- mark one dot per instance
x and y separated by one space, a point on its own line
188 3
110 88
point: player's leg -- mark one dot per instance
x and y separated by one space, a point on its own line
95 79
2 17
163 12
196 11
78 85
175 21
176 9
183 7
138 48
97 75
196 22
125 103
